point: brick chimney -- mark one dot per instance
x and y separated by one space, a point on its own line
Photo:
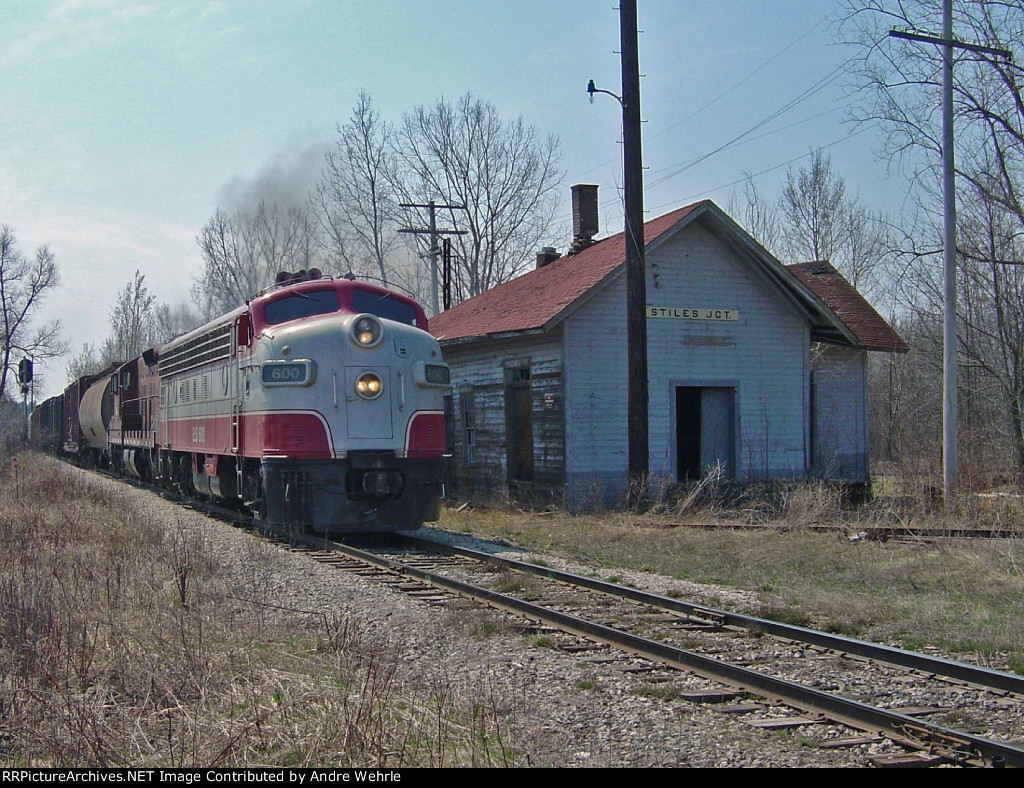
584 216
547 255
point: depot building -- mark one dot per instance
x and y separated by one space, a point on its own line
757 370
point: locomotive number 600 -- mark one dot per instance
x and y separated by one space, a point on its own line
288 373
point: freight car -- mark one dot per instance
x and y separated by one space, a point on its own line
318 405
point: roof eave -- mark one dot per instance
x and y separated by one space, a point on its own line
821 317
460 341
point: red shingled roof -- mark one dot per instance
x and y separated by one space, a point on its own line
870 328
536 299
532 300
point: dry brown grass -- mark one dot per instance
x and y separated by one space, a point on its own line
121 646
962 595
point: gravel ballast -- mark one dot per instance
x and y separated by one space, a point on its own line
553 708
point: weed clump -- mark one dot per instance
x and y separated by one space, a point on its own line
130 642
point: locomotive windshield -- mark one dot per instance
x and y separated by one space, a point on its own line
384 306
317 302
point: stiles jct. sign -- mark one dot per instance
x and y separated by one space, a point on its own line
679 313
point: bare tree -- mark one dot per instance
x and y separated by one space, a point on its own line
243 252
758 215
991 326
812 203
85 363
460 154
170 321
898 86
355 201
24 282
820 221
131 321
463 153
898 83
138 323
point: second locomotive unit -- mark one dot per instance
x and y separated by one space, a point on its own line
318 404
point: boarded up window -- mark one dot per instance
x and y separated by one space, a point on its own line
468 404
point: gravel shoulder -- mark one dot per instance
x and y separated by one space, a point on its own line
549 708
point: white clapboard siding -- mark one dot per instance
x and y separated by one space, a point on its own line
840 425
480 368
763 355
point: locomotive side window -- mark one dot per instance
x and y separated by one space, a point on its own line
243 335
317 302
383 306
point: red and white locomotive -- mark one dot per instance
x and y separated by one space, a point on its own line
318 404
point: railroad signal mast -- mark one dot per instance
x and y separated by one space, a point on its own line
435 251
25 377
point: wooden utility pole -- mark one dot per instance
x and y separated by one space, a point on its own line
636 283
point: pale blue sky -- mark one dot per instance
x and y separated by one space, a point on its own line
125 123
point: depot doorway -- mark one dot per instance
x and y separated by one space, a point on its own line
519 424
705 431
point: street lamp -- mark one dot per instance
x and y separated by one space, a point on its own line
592 89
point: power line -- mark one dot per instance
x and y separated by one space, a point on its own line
745 79
725 92
741 138
802 97
618 201
744 137
772 168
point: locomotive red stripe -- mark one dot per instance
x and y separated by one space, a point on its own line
298 434
424 435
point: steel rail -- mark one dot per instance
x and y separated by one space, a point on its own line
961 671
871 532
957 746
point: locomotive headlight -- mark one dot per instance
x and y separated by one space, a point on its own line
369 386
367 331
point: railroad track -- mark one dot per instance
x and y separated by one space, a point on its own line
767 671
878 533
